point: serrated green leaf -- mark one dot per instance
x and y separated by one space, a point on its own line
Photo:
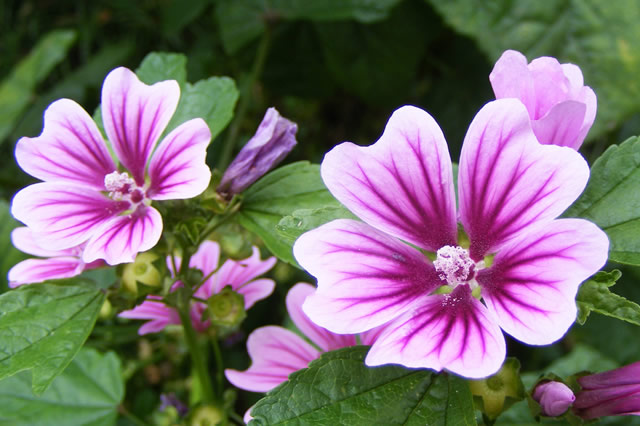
242 21
88 392
594 296
575 31
9 255
160 66
278 194
338 389
303 220
42 327
612 200
16 91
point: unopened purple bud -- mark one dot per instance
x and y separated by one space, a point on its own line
171 400
554 398
274 139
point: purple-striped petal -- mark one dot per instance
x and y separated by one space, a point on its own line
177 169
532 284
121 238
38 270
63 215
69 149
326 340
453 332
365 277
256 290
26 241
238 273
402 184
508 181
158 314
275 353
135 115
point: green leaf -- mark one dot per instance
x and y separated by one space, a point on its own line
575 31
160 66
42 327
278 194
88 392
16 91
303 220
612 200
242 21
9 255
594 295
338 388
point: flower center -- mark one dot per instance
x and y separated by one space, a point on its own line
122 187
454 265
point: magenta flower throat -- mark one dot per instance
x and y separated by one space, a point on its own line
445 296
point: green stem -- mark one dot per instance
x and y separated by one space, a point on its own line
197 356
219 365
234 129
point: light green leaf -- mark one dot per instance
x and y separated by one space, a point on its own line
303 220
160 66
242 21
16 91
575 31
88 392
278 194
9 255
594 296
338 389
612 200
42 327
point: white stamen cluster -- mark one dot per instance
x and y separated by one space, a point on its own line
454 265
118 184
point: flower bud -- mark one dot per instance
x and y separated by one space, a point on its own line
554 398
226 308
142 271
275 137
207 415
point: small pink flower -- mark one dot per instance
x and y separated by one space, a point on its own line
611 393
56 264
520 272
276 352
86 198
240 275
554 398
562 109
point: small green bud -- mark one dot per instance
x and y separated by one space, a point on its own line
142 271
106 310
496 393
207 415
226 308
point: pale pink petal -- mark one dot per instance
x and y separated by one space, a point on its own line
135 115
532 284
69 149
402 184
562 125
38 270
588 96
551 85
256 290
121 238
247 415
370 337
237 273
365 277
326 340
177 169
453 332
275 353
62 215
24 240
511 78
159 314
508 181
205 259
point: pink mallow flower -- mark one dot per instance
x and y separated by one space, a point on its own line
240 275
55 264
276 352
519 269
554 398
86 198
562 109
611 393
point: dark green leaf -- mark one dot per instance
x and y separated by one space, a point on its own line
88 392
575 31
278 194
612 200
160 66
300 221
176 14
594 295
242 21
16 91
9 255
338 389
42 327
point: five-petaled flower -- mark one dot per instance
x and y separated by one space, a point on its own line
519 272
86 198
562 109
240 275
277 352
